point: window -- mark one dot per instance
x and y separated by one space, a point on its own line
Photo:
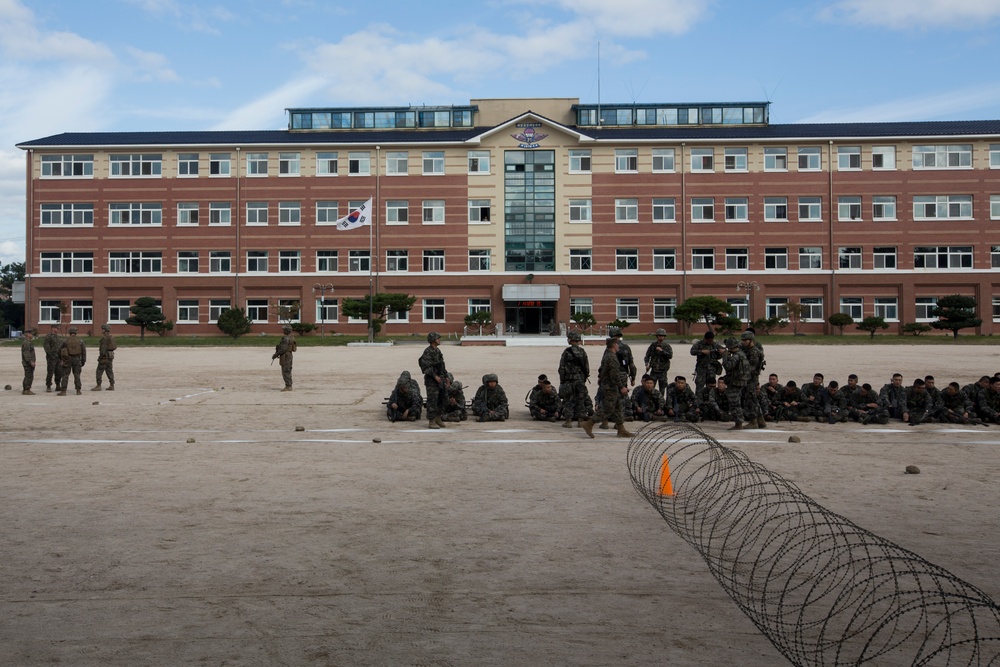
702 259
775 159
664 259
327 310
187 311
884 257
737 209
216 307
810 209
257 164
736 159
626 160
776 306
289 310
256 261
67 214
187 165
326 164
397 163
741 310
433 211
479 306
326 261
943 157
219 213
359 261
942 257
327 213
136 165
82 312
135 214
397 212
664 210
995 156
810 158
884 207
257 310
67 262
288 164
853 306
67 166
433 162
359 163
994 207
580 210
219 164
580 259
219 261
626 259
187 213
883 157
479 260
479 162
702 159
49 312
925 305
942 207
848 158
579 161
289 261
433 310
810 259
627 309
776 209
187 261
776 258
581 305
703 209
118 310
886 308
849 208
398 316
289 213
256 212
397 261
663 160
812 308
849 257
737 259
626 210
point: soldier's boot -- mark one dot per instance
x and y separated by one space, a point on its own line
437 420
111 387
568 423
432 424
761 423
288 388
28 392
622 431
588 426
738 426
62 392
79 392
604 424
97 388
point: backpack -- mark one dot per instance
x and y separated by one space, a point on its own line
73 346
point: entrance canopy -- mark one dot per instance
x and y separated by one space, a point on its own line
528 292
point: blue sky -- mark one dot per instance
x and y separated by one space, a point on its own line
104 65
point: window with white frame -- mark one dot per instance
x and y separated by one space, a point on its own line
67 214
741 310
359 261
626 259
663 309
884 257
433 162
995 256
994 207
187 261
883 157
220 213
626 210
187 311
68 166
776 159
994 156
220 261
849 257
479 306
887 308
433 212
810 209
433 310
579 161
776 259
187 214
703 259
810 158
256 213
776 209
853 306
256 261
289 261
397 163
626 160
957 156
737 209
397 316
216 307
703 209
66 262
942 257
848 158
702 159
996 309
219 165
257 310
479 211
326 163
137 213
327 212
49 311
327 310
664 259
433 261
776 306
942 207
138 261
289 213
737 259
359 163
663 160
580 259
119 311
136 165
810 258
82 311
884 207
289 164
581 305
627 309
257 164
580 210
812 308
397 212
479 260
849 208
187 165
289 310
397 261
479 162
925 306
664 210
327 261
736 159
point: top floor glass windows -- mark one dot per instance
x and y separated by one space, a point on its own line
738 113
67 166
146 164
384 117
957 156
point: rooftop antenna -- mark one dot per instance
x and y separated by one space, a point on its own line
598 83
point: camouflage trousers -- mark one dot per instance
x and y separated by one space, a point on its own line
701 378
735 397
661 379
611 405
29 376
106 365
434 399
286 374
751 402
74 366
52 371
575 399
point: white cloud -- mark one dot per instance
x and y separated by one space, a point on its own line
267 110
956 103
21 40
901 14
639 18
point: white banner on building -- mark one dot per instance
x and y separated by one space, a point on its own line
356 218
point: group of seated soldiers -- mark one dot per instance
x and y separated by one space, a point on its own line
406 403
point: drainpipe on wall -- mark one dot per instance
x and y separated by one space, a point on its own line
834 260
236 222
683 224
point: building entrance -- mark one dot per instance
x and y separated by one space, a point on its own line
531 317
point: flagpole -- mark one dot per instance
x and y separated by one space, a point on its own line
372 259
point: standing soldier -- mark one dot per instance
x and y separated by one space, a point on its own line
73 357
283 352
737 376
574 370
106 358
751 400
28 361
432 364
707 354
51 345
657 359
613 386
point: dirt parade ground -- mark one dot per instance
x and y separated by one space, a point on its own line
184 520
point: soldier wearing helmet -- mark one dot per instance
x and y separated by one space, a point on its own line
490 402
755 356
737 375
657 360
574 370
283 352
432 365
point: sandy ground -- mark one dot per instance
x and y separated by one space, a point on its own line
484 544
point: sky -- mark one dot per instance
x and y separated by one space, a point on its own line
132 65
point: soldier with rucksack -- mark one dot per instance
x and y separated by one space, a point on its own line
72 358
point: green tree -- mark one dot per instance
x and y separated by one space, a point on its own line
145 313
840 320
621 324
480 318
161 328
916 328
376 310
871 324
794 312
955 312
234 322
765 325
708 308
728 324
584 320
10 312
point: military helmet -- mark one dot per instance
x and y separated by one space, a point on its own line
747 335
661 332
73 330
287 329
731 342
106 327
433 336
574 336
491 377
614 332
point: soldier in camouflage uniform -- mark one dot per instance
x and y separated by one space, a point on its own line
707 354
866 407
283 352
751 396
544 405
647 402
106 358
893 397
954 406
432 366
810 397
682 404
51 345
28 361
790 404
574 370
614 386
918 406
734 361
628 370
404 404
708 407
718 398
931 389
833 403
73 357
976 390
657 359
989 402
454 409
490 402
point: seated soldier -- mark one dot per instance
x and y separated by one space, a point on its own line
545 405
530 396
809 403
454 409
681 402
404 404
490 403
706 408
791 404
833 403
647 402
865 406
918 405
955 407
719 401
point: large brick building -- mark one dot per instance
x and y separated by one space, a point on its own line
534 209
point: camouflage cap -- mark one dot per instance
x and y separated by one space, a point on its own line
287 328
433 336
731 342
72 330
574 336
456 385
614 331
490 377
747 335
106 327
661 332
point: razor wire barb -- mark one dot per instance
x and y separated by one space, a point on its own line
823 590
